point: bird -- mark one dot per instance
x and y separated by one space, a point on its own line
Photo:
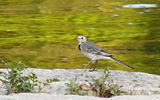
95 53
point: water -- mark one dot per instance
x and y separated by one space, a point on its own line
41 33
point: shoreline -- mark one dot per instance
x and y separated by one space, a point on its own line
136 84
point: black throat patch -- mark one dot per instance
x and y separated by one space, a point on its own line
79 46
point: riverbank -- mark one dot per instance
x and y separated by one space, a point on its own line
138 85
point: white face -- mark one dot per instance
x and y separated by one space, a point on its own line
81 39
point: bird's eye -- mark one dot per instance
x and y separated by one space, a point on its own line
82 38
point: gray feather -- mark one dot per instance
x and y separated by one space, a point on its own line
90 47
122 63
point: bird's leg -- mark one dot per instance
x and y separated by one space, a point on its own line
87 64
95 65
91 66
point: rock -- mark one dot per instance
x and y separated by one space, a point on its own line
3 91
44 96
134 83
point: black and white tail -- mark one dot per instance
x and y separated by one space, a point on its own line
122 63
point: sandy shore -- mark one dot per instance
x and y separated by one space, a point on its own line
138 85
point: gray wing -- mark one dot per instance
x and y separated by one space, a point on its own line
94 49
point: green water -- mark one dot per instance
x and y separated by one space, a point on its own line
41 33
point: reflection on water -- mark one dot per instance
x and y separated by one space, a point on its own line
41 33
139 6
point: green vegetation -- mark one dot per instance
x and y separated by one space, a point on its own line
101 87
15 80
75 87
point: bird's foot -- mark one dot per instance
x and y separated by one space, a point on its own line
92 70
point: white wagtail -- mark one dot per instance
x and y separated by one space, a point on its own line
94 52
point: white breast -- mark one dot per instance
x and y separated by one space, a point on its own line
94 56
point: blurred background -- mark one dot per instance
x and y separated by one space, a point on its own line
41 33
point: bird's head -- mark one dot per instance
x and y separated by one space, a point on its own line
81 39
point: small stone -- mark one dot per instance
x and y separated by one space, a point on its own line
65 58
141 13
115 15
117 8
147 11
8 30
97 5
130 23
92 28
